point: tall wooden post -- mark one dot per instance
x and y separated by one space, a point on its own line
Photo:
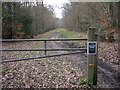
1 42
119 32
0 20
92 57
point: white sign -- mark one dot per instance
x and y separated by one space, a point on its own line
92 48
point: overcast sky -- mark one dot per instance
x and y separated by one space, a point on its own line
57 4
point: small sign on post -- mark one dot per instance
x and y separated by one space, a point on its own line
92 48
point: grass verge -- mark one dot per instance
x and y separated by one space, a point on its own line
65 33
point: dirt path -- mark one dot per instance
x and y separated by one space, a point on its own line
107 76
78 60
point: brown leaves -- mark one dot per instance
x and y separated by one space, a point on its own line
55 72
107 52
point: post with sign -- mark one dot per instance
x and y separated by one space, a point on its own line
92 51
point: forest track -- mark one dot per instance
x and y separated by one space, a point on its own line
107 76
68 70
77 59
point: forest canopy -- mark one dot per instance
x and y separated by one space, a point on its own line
78 16
23 20
26 19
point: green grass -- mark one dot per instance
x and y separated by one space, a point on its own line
69 34
83 80
66 33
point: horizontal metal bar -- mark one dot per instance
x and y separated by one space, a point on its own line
15 60
48 49
59 39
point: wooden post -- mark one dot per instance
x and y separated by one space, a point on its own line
119 32
92 59
45 47
1 21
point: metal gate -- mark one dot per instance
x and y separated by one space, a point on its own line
45 49
92 52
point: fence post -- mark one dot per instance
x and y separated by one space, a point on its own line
45 47
92 57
